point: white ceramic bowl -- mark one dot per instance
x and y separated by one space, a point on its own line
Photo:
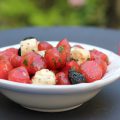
56 98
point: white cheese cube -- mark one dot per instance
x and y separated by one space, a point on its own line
28 46
79 54
44 77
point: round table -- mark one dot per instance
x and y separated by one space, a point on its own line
104 106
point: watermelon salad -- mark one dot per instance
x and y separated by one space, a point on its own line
41 63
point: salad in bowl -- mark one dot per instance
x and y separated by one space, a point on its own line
57 75
43 64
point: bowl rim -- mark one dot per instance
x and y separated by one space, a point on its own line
55 89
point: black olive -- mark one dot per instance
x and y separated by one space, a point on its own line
76 77
19 51
29 38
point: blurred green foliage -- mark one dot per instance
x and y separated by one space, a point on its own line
20 13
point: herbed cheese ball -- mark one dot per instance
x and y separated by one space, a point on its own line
44 77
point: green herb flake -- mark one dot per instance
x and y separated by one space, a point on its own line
54 61
60 49
60 60
25 62
73 59
88 59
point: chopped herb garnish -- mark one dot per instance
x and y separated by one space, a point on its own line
54 61
33 50
60 49
60 60
74 59
88 59
25 62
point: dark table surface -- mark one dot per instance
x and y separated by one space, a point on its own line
104 106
